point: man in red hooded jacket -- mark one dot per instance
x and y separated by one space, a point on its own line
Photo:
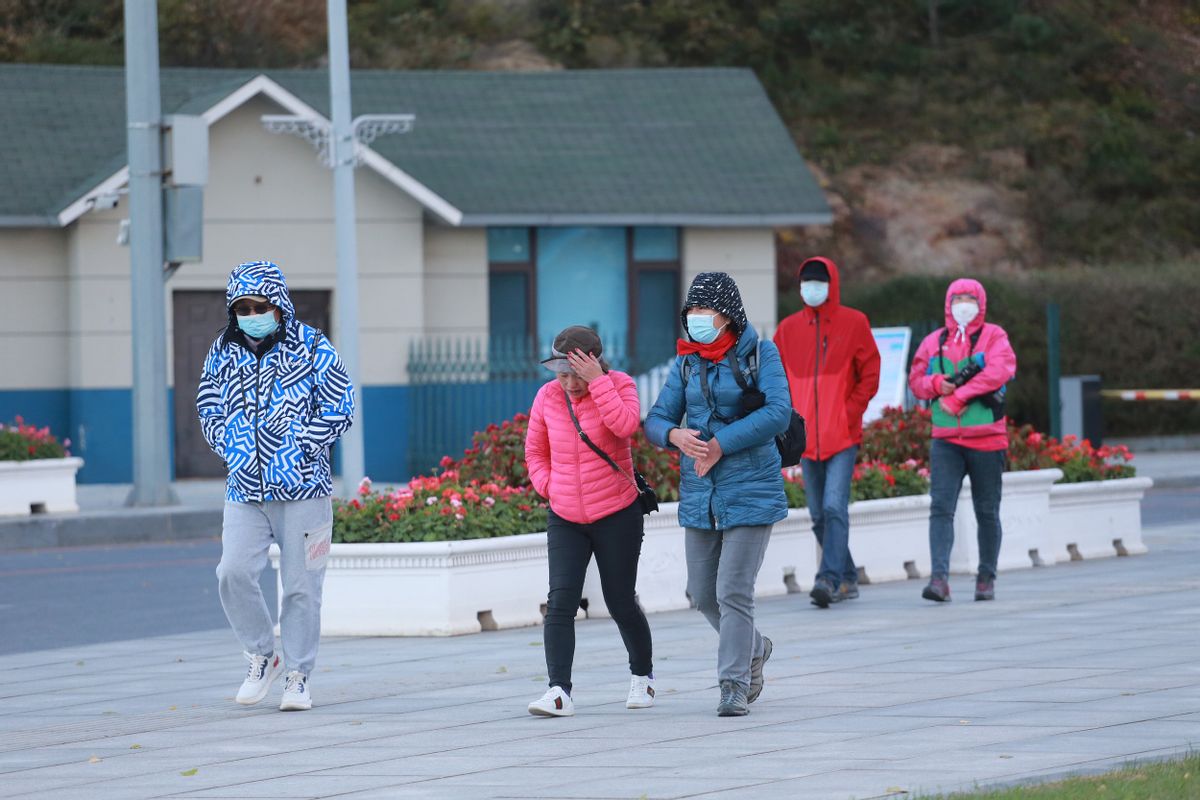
832 365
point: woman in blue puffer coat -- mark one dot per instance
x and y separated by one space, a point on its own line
733 389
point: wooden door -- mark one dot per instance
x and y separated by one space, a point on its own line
200 317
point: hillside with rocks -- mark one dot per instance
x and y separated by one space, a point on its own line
990 136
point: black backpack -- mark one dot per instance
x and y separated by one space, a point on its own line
792 442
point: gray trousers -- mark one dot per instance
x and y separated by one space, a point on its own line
302 529
722 567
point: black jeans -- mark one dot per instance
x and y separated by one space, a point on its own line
616 541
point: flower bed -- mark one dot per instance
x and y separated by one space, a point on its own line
462 550
37 472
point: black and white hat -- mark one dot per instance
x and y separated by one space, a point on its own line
716 290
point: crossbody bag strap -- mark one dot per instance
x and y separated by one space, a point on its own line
588 441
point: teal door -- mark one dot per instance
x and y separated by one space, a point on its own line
582 280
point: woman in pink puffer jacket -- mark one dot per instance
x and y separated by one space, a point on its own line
594 508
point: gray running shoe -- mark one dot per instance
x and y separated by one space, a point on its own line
733 700
756 671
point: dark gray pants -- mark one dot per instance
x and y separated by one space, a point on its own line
722 567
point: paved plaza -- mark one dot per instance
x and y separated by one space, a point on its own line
1076 668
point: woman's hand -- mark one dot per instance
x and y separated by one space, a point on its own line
689 442
704 465
585 365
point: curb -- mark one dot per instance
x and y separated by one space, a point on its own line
118 526
1177 482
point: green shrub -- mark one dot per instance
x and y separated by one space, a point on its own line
1132 326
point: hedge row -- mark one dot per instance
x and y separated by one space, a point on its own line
1135 327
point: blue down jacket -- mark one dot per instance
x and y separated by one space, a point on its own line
273 418
744 488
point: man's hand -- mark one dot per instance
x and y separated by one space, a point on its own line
704 465
689 442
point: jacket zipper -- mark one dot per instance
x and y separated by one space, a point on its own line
817 387
579 445
262 488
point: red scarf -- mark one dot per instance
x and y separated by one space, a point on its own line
714 351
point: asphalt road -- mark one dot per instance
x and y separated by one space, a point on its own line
65 597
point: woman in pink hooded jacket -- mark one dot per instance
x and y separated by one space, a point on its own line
963 368
594 508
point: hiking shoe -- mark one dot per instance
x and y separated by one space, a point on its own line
554 703
641 692
295 693
756 671
263 672
733 700
985 589
823 594
938 590
847 591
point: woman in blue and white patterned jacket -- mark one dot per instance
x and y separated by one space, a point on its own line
273 398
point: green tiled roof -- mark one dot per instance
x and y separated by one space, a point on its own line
699 146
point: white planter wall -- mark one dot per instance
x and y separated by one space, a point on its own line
1097 519
48 483
1024 521
889 538
433 588
449 588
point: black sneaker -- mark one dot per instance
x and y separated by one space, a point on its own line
985 588
847 591
823 594
733 700
756 671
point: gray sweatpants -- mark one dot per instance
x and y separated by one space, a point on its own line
302 529
722 567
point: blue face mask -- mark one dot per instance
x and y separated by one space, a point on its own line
700 328
260 326
814 292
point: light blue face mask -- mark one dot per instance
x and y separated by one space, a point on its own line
700 328
814 292
260 326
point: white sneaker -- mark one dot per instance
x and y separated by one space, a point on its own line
295 693
263 672
641 692
554 703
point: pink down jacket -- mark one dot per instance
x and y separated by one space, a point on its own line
580 485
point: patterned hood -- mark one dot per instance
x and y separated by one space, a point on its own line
718 291
262 278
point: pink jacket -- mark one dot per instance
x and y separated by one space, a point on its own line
960 417
580 485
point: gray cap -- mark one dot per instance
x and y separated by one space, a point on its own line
576 337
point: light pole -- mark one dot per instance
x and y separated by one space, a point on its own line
339 145
143 106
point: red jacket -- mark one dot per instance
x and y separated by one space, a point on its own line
832 366
961 417
580 485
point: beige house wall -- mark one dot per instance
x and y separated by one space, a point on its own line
34 318
748 254
456 281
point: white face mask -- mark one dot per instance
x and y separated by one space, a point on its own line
964 313
814 292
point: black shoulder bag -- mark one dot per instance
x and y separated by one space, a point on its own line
646 495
